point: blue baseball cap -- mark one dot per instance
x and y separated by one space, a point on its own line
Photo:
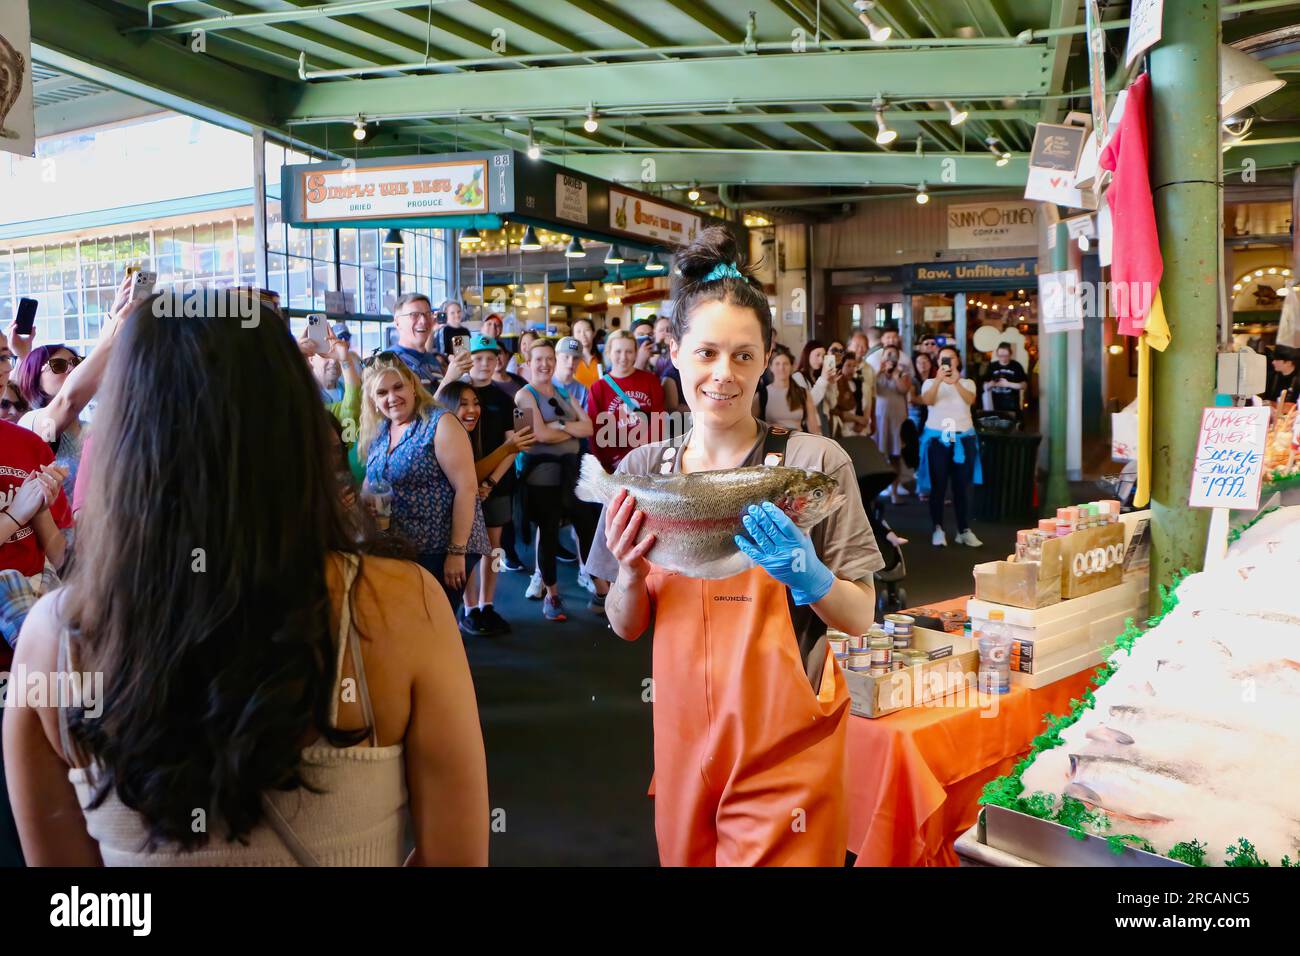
483 343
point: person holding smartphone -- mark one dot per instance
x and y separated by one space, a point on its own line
893 382
550 475
950 449
413 316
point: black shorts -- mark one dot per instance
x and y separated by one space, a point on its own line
497 511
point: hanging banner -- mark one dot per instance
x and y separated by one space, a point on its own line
369 192
1229 465
1143 28
992 225
17 114
1060 306
634 214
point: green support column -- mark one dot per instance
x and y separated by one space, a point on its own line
1184 179
1057 494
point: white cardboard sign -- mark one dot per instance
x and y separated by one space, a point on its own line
1060 306
1229 466
1144 28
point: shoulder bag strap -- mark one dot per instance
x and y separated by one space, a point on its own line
774 445
630 403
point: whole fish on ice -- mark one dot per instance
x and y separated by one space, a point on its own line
696 517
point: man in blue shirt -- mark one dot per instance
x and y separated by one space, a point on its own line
413 316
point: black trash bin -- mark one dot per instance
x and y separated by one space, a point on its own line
1009 461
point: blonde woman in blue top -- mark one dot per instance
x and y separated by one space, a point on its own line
425 454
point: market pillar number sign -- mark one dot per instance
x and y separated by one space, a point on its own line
1229 466
372 192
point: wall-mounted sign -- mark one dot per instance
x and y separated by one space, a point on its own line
1060 306
986 225
889 275
17 116
1057 146
570 198
934 314
638 216
369 192
986 274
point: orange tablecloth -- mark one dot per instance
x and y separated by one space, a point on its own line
915 775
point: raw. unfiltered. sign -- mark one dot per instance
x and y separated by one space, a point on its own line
1229 463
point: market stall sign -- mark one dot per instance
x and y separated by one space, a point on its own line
891 275
637 215
1229 465
936 314
570 198
394 191
985 274
1144 28
992 225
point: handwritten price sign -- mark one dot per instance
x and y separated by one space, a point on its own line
1229 464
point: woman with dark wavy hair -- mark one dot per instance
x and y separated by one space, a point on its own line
272 690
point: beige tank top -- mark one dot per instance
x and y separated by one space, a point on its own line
358 818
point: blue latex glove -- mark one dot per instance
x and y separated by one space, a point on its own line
785 552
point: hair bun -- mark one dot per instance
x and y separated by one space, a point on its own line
710 248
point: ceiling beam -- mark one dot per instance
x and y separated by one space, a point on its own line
445 24
1065 13
628 26
384 33
814 135
528 21
813 77
335 44
87 41
721 27
803 167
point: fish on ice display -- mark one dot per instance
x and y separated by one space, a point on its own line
696 517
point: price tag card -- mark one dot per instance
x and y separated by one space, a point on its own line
1229 466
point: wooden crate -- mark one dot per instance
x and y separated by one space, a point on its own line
919 684
1022 584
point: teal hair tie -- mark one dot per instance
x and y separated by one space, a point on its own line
723 270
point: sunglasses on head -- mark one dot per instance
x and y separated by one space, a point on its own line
384 356
59 366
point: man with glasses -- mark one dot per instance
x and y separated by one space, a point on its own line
413 316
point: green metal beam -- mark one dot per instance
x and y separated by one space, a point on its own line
380 31
815 136
1185 183
452 27
813 77
610 15
364 54
722 28
802 167
533 24
1248 158
88 42
1065 13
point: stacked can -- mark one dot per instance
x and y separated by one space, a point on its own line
860 660
881 656
899 626
838 641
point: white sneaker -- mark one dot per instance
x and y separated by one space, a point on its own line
536 589
968 538
585 581
939 539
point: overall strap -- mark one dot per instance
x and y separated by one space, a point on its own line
774 445
63 668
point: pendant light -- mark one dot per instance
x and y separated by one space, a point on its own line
884 135
530 242
470 237
1243 80
393 240
955 116
574 250
653 263
614 257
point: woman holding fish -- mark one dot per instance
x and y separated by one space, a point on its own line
740 544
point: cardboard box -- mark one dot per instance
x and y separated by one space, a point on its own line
1024 584
1091 560
919 684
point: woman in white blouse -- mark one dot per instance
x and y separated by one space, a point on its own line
949 447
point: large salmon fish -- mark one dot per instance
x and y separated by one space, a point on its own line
695 517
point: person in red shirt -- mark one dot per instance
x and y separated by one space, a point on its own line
626 404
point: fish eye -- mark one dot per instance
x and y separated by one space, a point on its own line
817 493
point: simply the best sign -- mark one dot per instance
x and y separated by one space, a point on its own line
1229 466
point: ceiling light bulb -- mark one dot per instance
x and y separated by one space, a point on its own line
878 33
534 151
359 129
694 193
591 124
922 197
884 135
955 116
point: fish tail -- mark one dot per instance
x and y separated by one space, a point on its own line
593 483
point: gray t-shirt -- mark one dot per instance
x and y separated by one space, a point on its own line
843 540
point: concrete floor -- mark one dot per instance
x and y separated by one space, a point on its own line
568 735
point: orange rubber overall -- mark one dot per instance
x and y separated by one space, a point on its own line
749 758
